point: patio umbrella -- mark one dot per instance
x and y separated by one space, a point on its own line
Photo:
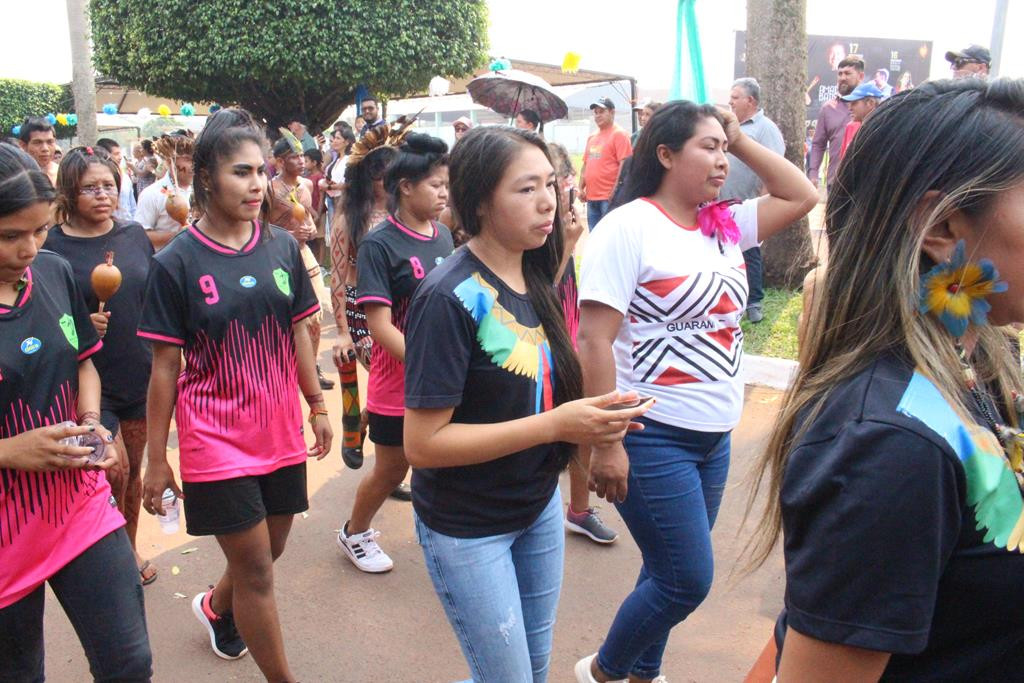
509 91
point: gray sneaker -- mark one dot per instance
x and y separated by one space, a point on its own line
590 525
755 313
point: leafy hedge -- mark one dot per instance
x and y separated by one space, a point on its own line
20 99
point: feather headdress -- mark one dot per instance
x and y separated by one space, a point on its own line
293 141
170 147
382 136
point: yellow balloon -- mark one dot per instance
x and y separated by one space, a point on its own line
571 62
62 119
164 110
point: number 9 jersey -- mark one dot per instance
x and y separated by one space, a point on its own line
232 311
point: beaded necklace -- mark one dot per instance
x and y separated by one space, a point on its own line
1012 440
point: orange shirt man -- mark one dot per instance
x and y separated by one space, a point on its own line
602 160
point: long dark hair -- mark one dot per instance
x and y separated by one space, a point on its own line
349 138
69 177
962 140
357 204
22 184
478 163
672 125
224 132
417 158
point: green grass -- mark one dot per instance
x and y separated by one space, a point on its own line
774 336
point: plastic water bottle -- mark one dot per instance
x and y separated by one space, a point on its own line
87 440
169 520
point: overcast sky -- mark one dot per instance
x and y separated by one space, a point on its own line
633 38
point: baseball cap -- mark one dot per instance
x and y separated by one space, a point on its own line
464 120
863 90
604 102
641 104
975 53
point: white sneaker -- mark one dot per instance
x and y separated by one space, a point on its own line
364 552
582 671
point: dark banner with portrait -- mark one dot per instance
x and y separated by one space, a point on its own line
893 64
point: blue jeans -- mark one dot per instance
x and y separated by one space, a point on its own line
596 209
755 268
501 594
101 594
676 480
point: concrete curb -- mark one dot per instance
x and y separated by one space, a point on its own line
774 373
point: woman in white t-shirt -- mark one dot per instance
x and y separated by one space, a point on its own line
333 182
663 288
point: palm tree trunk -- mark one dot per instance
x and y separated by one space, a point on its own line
83 82
777 58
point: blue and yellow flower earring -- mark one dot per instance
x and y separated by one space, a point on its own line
955 291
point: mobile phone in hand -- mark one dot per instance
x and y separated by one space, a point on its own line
626 405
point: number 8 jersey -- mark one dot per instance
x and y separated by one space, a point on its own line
232 311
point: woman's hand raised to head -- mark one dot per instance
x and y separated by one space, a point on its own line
788 195
731 125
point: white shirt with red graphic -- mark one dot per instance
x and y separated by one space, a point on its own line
681 294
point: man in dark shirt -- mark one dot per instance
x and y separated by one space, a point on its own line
370 111
832 120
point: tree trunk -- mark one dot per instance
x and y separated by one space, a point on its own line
777 58
83 82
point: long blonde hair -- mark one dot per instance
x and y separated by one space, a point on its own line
963 141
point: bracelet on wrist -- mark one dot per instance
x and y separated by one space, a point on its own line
313 398
314 413
89 416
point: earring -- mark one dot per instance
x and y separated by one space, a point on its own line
955 291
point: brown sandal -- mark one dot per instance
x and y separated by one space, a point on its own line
142 573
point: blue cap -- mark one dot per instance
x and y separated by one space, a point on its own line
863 90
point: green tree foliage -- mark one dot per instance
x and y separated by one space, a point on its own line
288 56
21 99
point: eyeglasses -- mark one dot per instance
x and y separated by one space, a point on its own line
99 190
961 63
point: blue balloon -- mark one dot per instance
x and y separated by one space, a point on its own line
51 119
187 110
72 119
109 108
16 131
214 108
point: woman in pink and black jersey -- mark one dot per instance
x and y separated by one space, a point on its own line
393 259
231 293
58 520
662 291
88 181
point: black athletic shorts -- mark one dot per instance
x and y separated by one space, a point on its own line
110 417
386 430
213 508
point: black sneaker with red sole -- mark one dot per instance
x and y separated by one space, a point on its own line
224 637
